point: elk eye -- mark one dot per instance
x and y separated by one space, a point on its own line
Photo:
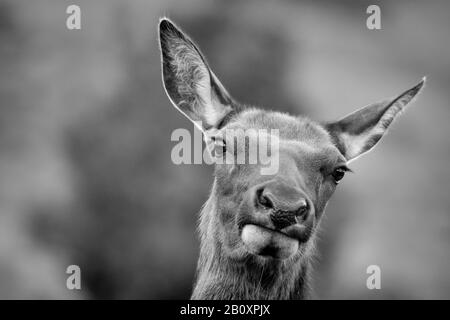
338 174
220 147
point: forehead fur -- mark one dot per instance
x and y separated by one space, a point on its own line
290 127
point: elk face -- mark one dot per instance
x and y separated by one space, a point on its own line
273 213
268 213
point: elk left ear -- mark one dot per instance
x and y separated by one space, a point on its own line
358 132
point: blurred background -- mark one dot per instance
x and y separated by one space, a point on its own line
86 176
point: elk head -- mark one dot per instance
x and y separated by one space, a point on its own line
272 214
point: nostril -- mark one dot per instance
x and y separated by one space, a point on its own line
303 208
263 199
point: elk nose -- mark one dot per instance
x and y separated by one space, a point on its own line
287 205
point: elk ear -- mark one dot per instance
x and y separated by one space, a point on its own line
358 132
190 84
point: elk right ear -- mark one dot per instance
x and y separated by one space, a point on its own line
190 84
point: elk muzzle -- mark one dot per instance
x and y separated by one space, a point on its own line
282 219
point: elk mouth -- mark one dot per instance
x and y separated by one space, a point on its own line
263 241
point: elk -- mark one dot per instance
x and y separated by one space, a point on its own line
257 232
